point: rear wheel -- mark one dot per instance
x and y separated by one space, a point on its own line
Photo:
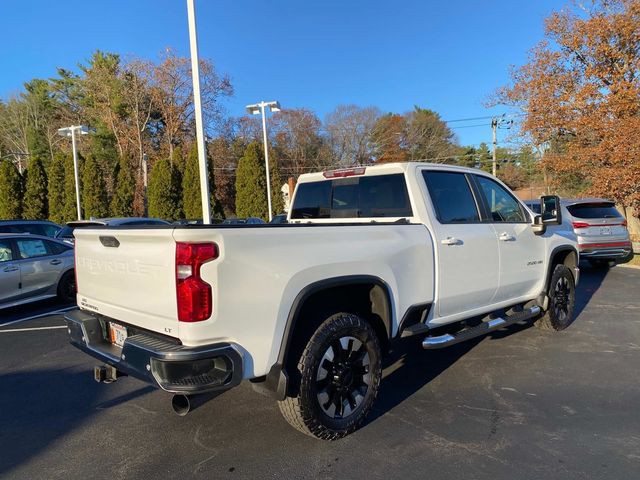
340 372
561 294
67 287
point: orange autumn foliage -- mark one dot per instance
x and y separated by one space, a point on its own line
580 94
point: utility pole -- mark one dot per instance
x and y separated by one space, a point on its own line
494 128
495 123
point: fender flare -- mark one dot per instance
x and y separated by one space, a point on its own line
277 379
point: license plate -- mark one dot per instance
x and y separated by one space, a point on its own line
117 334
605 230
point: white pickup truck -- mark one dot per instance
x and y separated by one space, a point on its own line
306 310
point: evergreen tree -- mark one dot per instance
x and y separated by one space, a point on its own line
10 191
69 212
164 191
122 201
191 197
277 202
191 200
251 184
35 197
94 193
55 176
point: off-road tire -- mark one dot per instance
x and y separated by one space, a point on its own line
67 287
561 292
304 411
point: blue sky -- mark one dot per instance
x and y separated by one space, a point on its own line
447 56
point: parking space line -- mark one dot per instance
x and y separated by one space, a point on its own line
33 328
62 310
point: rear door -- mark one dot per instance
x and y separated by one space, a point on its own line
9 273
40 268
467 248
522 253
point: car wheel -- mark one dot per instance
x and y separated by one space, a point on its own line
340 372
67 287
562 292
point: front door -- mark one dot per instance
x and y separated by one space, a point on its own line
466 248
521 251
39 269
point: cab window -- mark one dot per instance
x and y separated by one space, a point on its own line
503 207
452 198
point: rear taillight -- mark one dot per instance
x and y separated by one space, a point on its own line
195 299
624 223
580 225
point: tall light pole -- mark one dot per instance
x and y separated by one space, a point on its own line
257 109
71 132
197 103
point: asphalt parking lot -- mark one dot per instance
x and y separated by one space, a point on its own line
519 404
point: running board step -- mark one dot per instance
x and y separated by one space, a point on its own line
447 339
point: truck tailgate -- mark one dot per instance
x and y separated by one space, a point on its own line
128 275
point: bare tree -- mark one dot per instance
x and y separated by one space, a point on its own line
349 130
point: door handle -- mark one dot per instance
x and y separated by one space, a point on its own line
505 237
10 269
55 262
451 241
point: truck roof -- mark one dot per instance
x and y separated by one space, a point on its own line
385 168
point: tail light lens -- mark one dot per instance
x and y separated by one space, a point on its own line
580 225
194 295
624 223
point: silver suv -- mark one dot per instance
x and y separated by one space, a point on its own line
34 267
600 228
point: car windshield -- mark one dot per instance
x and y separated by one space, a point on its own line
594 210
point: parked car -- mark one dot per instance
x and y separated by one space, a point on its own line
35 267
600 229
280 218
370 256
244 221
66 232
35 227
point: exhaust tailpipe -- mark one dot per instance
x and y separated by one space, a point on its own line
183 404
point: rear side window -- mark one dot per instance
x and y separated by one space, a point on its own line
451 196
356 197
594 210
57 248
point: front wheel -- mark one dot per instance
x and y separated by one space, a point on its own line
340 372
562 297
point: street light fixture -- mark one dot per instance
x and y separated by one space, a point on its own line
257 109
71 132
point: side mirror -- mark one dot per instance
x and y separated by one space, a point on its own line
538 227
550 208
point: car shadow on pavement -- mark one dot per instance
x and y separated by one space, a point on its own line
590 281
39 407
409 367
